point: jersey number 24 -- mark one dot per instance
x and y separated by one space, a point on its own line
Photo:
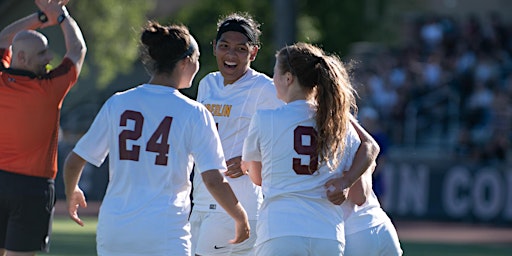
157 143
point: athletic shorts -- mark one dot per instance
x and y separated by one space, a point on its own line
381 240
298 245
211 232
26 211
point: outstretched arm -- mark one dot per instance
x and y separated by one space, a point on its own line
75 198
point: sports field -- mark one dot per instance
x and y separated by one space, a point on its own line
417 240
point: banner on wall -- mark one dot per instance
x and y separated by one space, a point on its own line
447 191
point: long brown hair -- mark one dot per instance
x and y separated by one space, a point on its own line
325 79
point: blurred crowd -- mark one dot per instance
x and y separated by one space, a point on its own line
449 81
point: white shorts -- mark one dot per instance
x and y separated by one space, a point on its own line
298 245
381 240
211 232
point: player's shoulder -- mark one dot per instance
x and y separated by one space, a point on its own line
212 77
209 81
122 95
267 114
261 79
188 103
352 134
352 139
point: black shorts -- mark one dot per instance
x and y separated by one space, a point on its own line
26 212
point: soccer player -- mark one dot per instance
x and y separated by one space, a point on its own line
153 135
298 153
30 101
232 94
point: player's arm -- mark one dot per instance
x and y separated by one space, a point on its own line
253 169
223 194
73 166
366 154
358 193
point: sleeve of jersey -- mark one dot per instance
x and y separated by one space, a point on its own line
352 145
251 149
205 145
93 146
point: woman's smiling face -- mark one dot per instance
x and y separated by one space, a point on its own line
234 55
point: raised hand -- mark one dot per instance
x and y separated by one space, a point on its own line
52 9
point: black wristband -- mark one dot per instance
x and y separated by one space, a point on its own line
63 16
42 16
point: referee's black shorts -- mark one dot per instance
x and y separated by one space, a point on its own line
26 212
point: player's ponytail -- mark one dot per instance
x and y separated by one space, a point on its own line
335 97
326 81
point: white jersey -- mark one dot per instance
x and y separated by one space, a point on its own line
153 135
232 107
295 202
370 214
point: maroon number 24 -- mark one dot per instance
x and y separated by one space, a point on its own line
157 143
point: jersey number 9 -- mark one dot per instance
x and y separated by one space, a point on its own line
303 148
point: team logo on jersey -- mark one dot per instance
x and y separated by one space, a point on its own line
213 206
219 109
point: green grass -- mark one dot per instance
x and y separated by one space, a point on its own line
69 239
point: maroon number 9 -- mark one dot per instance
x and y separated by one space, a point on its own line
302 149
